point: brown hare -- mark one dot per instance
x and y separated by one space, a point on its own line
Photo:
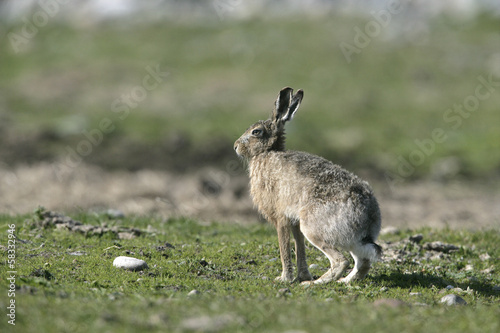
310 197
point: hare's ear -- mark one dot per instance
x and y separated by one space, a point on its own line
294 105
282 103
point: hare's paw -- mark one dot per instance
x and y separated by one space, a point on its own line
344 280
304 276
284 277
313 282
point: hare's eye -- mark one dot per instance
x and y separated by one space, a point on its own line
257 132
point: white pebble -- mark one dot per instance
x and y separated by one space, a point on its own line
129 263
453 299
313 266
389 231
193 292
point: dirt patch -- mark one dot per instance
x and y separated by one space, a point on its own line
47 219
175 152
222 195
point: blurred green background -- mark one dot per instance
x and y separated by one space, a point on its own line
364 111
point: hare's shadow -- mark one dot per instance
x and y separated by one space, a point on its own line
408 281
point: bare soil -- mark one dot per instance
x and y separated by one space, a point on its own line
222 195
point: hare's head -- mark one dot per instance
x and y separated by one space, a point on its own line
268 135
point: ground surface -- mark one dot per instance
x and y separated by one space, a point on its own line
222 195
219 277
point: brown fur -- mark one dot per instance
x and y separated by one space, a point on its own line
309 196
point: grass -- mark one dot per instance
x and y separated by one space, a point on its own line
65 282
223 76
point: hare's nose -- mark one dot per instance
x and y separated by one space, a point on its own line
235 147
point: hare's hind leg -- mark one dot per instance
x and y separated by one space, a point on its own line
300 252
338 262
363 255
361 268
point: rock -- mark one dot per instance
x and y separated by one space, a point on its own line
452 299
77 253
283 292
389 231
416 238
441 247
313 266
484 257
115 214
129 263
193 292
488 270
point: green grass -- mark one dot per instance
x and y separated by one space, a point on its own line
225 76
233 267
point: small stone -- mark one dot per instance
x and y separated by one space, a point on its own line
77 253
469 268
313 266
415 294
452 299
441 247
457 290
484 257
284 292
449 287
115 214
384 289
193 292
389 231
129 263
488 270
416 238
420 304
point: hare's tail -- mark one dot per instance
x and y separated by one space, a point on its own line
372 250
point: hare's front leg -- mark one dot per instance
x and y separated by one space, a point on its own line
300 252
283 229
